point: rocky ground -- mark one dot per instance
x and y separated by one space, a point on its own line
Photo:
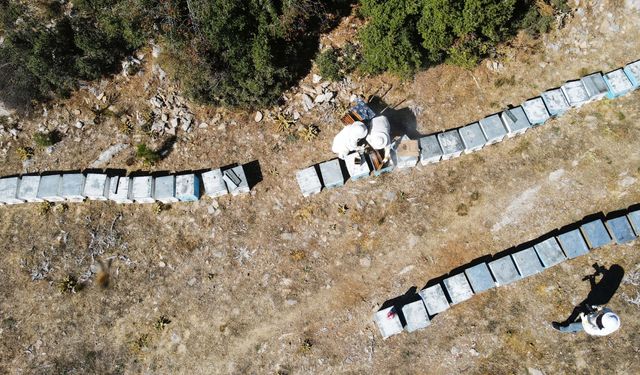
276 283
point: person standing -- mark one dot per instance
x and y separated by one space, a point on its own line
598 321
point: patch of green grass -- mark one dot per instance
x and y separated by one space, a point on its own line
68 285
505 81
147 155
161 323
43 140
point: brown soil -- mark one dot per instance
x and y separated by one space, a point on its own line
273 282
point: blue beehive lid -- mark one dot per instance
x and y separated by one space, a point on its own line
28 188
458 288
621 230
493 129
165 189
472 137
596 234
573 244
50 188
187 187
72 187
575 93
504 270
480 278
434 299
331 174
549 252
596 86
308 181
141 190
357 166
515 120
9 190
388 322
618 83
527 262
632 71
451 144
416 316
634 219
96 186
536 111
430 151
555 101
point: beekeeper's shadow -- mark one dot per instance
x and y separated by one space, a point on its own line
403 121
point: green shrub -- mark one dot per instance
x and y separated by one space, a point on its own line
402 36
389 41
242 53
328 64
47 139
350 57
46 62
335 63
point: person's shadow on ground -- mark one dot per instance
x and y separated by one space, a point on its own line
601 291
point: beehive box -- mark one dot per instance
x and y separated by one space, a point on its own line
308 181
451 144
96 186
515 120
214 185
187 187
555 101
50 188
472 137
9 190
493 129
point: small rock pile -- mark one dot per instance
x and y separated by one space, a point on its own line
169 112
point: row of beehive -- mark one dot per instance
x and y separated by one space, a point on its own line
504 270
492 129
76 187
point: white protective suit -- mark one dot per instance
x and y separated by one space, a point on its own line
346 141
379 137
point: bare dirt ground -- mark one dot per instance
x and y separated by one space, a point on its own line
276 283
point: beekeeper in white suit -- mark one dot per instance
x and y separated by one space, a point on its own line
346 141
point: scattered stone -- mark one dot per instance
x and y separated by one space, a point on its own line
307 102
494 66
203 125
79 124
316 78
76 112
156 101
162 264
258 117
192 281
155 51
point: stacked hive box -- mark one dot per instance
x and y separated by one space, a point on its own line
76 187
